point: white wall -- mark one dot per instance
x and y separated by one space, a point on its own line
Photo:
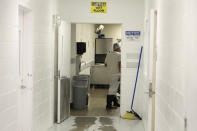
190 39
170 66
9 66
176 67
41 39
131 16
85 33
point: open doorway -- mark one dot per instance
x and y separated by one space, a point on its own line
88 53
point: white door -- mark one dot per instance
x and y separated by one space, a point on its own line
25 75
64 50
152 70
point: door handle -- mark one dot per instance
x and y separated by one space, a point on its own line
63 77
58 75
150 93
23 86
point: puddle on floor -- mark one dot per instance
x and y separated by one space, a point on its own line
107 124
107 128
105 121
83 123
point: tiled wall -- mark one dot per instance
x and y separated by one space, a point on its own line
170 67
85 33
173 44
9 66
191 63
42 40
112 31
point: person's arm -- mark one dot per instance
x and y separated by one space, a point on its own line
119 62
119 66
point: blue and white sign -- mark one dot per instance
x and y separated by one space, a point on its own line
133 35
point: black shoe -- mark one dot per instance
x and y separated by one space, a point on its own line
110 107
115 100
109 102
118 91
116 105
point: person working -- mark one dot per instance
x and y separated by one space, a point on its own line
113 64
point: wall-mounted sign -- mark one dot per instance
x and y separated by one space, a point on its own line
98 7
133 35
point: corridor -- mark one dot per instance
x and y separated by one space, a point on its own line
52 52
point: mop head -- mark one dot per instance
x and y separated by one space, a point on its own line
129 115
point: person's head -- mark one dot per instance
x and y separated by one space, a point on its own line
116 47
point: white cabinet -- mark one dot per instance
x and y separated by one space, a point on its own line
99 75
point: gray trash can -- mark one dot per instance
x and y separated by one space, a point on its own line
82 78
80 91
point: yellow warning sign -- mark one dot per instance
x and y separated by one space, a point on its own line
98 7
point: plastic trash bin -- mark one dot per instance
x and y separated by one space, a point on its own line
80 91
82 78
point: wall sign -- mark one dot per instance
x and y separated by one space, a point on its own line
98 7
133 35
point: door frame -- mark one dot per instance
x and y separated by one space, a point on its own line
25 80
73 26
54 63
152 69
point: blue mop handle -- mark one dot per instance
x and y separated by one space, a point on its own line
138 68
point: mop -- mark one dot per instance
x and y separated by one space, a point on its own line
132 114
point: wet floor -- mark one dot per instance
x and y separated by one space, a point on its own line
83 123
104 123
97 105
97 118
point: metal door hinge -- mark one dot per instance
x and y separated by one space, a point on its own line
150 91
185 124
29 75
58 75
